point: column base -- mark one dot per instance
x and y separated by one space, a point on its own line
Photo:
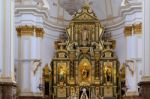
7 90
30 95
145 88
132 97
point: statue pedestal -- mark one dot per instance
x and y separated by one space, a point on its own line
145 89
132 95
30 95
7 90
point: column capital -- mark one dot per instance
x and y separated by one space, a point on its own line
128 30
39 32
29 30
137 28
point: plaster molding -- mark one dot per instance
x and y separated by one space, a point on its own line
51 37
50 22
41 12
118 23
130 9
40 94
132 93
7 79
145 79
26 60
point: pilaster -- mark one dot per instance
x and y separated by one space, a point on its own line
145 82
30 38
7 79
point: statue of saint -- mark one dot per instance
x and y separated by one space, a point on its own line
84 95
62 72
108 74
84 72
85 37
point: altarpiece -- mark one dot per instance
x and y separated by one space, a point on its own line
84 66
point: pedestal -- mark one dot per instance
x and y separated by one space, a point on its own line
7 90
132 97
145 89
31 97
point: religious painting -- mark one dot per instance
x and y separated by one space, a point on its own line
62 71
85 71
108 70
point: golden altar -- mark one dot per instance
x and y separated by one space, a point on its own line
84 66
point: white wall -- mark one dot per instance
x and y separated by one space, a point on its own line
48 50
120 49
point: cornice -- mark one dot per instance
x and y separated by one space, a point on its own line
38 11
48 20
130 9
115 24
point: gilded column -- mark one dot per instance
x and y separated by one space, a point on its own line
29 68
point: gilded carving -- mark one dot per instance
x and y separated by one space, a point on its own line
62 70
137 28
25 30
39 32
46 73
85 65
128 30
108 69
123 72
29 31
85 72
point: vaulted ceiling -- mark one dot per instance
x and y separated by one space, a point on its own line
104 9
60 11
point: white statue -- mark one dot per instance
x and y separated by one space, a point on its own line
84 94
36 65
130 76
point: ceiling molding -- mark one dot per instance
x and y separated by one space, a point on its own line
51 21
131 8
42 12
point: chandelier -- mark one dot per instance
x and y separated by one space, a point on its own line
72 6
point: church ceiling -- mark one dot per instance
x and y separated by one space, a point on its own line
104 9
